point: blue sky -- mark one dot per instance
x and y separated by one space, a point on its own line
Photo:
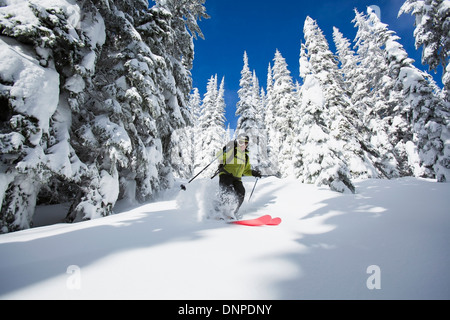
262 26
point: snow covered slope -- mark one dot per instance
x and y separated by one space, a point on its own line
390 240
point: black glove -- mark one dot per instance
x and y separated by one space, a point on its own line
220 168
256 173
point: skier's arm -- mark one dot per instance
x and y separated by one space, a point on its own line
249 172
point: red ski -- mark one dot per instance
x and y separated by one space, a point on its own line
274 222
263 220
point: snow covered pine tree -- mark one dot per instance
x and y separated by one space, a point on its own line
90 95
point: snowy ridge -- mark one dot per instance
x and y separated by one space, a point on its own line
391 233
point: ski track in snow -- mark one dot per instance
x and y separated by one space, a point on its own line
166 250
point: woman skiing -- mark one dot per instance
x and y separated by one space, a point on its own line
234 163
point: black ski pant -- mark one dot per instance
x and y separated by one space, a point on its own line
232 185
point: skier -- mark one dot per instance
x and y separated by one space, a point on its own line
234 163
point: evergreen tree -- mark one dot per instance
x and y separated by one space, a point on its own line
211 135
269 112
432 34
195 106
270 133
319 154
372 93
245 107
360 154
183 149
342 122
281 107
347 58
261 112
116 83
251 112
323 65
414 117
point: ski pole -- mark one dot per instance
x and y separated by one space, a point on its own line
215 173
183 187
254 186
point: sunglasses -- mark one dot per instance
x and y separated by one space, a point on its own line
242 142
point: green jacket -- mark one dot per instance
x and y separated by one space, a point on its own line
235 161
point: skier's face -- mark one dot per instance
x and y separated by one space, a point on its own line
242 144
